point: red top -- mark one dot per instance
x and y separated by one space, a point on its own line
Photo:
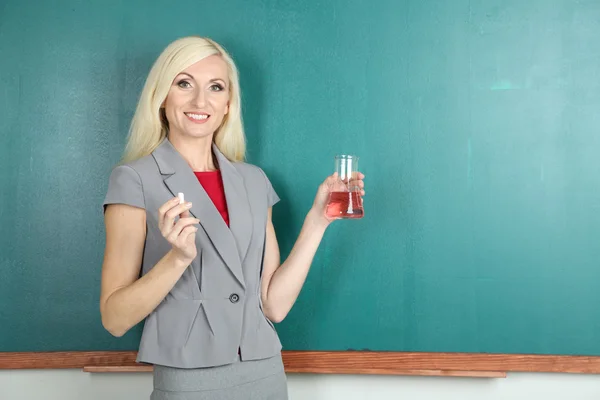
213 185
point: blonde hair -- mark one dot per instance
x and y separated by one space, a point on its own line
149 125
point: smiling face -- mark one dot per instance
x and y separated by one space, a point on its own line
198 99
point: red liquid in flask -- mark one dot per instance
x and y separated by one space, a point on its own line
344 205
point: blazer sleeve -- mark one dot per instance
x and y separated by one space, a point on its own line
272 197
125 187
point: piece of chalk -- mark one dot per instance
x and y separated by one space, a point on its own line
181 200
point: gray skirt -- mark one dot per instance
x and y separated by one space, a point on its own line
247 380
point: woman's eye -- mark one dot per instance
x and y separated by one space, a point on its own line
216 87
184 84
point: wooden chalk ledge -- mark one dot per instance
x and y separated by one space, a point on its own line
412 372
123 368
335 362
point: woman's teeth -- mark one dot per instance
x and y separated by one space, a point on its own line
197 116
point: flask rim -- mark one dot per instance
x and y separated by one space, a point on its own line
346 157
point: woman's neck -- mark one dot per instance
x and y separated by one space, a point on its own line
196 151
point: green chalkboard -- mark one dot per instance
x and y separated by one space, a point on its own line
477 124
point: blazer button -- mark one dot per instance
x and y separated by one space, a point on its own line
234 298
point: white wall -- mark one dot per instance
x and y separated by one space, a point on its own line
77 385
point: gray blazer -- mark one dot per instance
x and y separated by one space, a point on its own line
215 308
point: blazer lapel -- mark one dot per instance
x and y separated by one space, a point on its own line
179 177
238 207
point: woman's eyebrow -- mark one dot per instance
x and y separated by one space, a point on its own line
185 73
212 80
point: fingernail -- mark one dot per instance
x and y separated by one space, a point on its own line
188 205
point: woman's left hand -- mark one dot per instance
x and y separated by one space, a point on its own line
332 184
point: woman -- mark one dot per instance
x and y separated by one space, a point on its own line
204 274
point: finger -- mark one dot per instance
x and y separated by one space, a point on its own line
163 209
187 234
178 210
184 223
185 214
357 182
168 205
332 178
170 215
329 181
180 226
337 178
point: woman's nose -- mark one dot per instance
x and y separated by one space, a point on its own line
200 99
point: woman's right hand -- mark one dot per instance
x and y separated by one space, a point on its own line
181 234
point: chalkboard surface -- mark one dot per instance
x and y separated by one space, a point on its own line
477 124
